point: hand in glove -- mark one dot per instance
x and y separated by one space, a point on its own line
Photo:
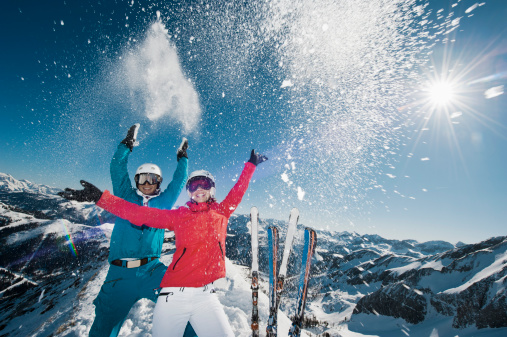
89 193
130 139
257 158
182 150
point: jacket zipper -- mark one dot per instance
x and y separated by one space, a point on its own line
178 260
221 250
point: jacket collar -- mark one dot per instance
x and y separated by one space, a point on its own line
147 198
201 207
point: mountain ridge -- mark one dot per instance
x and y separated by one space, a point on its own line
49 245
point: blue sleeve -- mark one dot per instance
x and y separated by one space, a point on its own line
173 190
122 186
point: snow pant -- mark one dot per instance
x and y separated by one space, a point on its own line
122 288
199 306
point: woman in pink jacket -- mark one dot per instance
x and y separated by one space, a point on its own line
187 293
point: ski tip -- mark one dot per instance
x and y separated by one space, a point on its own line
294 216
183 142
273 230
136 130
254 210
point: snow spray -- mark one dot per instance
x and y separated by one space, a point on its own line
154 74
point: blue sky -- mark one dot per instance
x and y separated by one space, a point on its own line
337 95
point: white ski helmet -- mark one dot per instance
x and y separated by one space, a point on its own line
149 168
201 174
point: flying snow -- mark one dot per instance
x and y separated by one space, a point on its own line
301 193
456 114
348 65
153 71
286 83
494 92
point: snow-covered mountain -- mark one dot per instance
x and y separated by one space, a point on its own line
9 184
53 260
42 202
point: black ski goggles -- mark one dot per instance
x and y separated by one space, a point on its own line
150 178
203 183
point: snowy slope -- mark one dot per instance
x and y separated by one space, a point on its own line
54 260
64 305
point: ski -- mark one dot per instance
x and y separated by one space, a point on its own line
280 278
308 251
254 224
287 248
183 146
273 261
136 130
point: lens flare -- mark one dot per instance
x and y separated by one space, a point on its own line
70 242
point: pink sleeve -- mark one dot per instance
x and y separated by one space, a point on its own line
138 215
232 200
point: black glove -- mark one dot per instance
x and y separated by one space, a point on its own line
182 150
90 193
130 140
257 158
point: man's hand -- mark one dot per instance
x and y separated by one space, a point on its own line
130 139
182 150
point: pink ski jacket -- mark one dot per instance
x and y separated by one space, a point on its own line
200 231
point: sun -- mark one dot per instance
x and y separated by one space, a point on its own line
442 93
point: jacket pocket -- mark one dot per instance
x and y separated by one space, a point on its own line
112 283
178 260
155 268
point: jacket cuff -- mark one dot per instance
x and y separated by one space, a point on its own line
104 199
250 166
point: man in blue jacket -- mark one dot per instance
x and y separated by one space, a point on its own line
135 271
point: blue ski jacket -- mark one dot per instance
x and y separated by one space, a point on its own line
131 241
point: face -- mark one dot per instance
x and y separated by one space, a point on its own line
147 188
200 195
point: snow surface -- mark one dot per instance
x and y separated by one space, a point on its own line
233 291
65 307
490 269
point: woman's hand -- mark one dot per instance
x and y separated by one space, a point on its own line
89 193
257 158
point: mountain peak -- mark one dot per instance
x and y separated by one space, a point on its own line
10 184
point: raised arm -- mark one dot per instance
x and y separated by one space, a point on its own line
173 190
233 198
122 185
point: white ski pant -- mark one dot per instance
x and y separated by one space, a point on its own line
199 306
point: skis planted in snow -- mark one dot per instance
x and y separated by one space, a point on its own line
273 274
289 240
254 224
308 252
280 278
